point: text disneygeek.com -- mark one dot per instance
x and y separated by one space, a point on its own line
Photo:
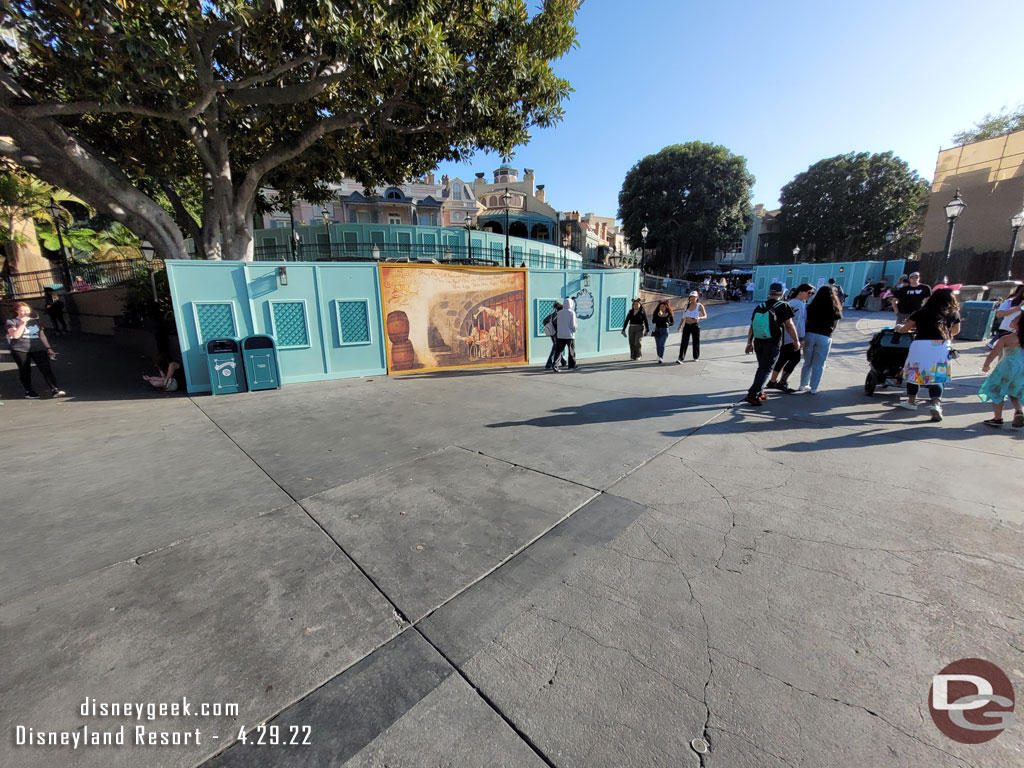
118 735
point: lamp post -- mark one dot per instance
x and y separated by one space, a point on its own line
953 210
1016 221
147 254
469 246
796 254
291 220
565 244
507 200
889 237
643 246
55 212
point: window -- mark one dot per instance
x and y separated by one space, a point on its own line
363 217
393 194
428 219
457 191
457 216
394 218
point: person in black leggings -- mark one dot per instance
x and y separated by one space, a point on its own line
692 315
29 345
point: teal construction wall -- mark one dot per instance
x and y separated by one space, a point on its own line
327 320
850 275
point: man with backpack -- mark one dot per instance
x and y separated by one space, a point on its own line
764 338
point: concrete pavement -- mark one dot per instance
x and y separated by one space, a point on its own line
507 568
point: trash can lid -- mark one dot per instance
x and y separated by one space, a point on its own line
222 345
258 342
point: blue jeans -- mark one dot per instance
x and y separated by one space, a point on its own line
816 349
934 390
660 337
767 352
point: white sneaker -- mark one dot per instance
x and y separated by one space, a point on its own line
936 411
659 361
805 388
907 405
814 391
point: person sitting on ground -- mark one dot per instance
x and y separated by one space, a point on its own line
1006 382
171 376
80 284
866 292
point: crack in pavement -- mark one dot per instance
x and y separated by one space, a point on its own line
851 705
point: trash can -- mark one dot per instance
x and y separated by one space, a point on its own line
976 319
260 358
999 290
972 293
224 364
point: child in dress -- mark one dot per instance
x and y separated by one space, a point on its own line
1007 380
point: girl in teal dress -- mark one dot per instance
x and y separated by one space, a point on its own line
1007 380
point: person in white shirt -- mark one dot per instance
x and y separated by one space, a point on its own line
789 357
1008 311
565 333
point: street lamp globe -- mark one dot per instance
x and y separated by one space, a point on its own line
955 206
1017 220
796 252
890 236
644 232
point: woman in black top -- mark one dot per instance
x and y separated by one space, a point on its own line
823 315
636 320
663 320
934 326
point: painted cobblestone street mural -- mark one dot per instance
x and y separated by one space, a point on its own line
453 317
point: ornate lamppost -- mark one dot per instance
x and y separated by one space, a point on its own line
55 212
507 200
469 246
953 210
643 246
1016 221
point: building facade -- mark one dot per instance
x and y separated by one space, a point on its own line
990 177
522 204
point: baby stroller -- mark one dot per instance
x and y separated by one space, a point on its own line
887 354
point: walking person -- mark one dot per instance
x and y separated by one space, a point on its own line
636 321
839 289
823 315
552 320
663 320
748 289
910 297
1006 382
29 345
1007 314
692 315
789 355
935 325
764 338
55 309
565 333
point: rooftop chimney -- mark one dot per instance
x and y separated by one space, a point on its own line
528 178
540 192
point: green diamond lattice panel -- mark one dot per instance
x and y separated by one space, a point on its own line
216 321
617 308
544 308
353 322
290 324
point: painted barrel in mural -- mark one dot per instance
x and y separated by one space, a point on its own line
402 355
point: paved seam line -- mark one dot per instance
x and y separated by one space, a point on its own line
398 612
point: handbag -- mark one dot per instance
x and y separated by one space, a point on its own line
549 329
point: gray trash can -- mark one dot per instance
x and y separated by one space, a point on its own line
224 364
972 293
976 319
261 368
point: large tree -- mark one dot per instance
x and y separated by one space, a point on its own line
845 205
694 198
991 126
127 102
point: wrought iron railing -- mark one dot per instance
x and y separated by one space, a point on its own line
84 276
415 252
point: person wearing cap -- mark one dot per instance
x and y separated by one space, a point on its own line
692 316
910 298
764 338
663 319
789 356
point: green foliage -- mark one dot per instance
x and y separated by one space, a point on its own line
198 104
138 303
990 126
846 204
23 196
693 198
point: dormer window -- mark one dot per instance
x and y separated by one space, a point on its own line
393 194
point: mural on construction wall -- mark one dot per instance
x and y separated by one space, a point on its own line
441 317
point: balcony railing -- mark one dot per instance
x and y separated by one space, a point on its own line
84 276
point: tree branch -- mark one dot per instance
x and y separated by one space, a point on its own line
291 94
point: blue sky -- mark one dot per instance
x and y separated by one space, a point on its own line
783 84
